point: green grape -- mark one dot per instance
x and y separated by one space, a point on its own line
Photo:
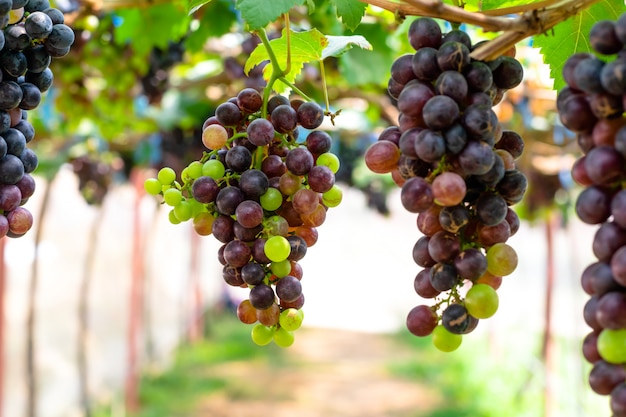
277 248
501 259
183 211
261 334
172 197
446 341
196 207
194 169
612 345
291 319
172 217
283 338
184 174
272 199
281 269
330 160
152 186
481 301
332 197
166 175
214 169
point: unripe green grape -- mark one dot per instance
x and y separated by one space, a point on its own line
283 338
196 207
183 211
166 175
261 334
272 199
444 340
214 169
332 197
501 259
330 160
281 269
481 301
152 186
172 197
291 319
194 169
612 345
277 248
172 217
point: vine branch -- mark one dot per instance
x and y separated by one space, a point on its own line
531 19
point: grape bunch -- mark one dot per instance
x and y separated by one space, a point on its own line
263 194
456 167
592 105
33 33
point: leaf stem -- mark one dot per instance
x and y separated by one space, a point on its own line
294 88
288 39
324 86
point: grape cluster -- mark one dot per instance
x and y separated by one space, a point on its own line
33 33
592 105
456 168
262 193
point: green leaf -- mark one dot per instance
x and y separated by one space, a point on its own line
360 67
194 5
337 45
350 11
259 13
572 36
306 47
168 22
499 4
217 20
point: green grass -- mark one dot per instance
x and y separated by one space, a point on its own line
471 381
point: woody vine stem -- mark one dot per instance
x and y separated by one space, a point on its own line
527 20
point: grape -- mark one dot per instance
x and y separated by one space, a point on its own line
508 74
478 76
332 197
166 176
382 156
246 313
481 301
453 218
213 168
443 277
501 259
455 318
223 228
424 32
318 142
283 337
271 200
429 145
440 112
604 377
611 310
288 288
260 132
476 158
238 158
277 248
38 25
152 186
452 84
448 189
424 64
291 319
423 286
453 56
593 205
214 136
253 183
413 97
416 195
249 100
262 335
421 320
299 161
612 345
402 69
444 340
470 264
227 200
249 213
284 118
330 160
590 349
491 209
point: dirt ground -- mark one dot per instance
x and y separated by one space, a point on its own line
329 373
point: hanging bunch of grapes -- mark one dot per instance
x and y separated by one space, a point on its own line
262 193
33 33
457 169
592 105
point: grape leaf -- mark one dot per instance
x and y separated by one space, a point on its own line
337 45
306 47
350 11
194 5
258 13
572 36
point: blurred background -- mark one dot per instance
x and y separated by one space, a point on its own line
110 310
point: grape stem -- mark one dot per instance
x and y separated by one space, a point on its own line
532 19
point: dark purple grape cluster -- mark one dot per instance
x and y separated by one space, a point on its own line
33 33
263 193
456 166
592 105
